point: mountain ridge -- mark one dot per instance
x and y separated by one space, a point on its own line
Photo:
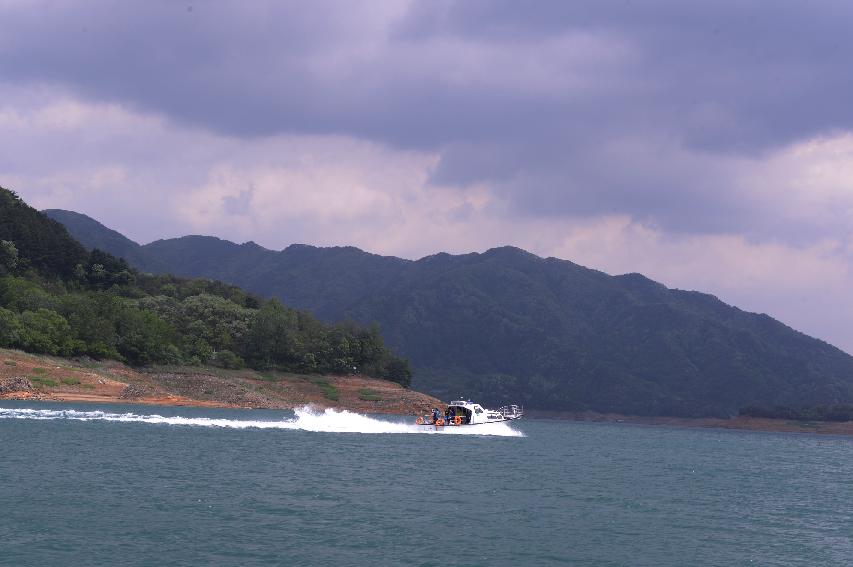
507 324
57 298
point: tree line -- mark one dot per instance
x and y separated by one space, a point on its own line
60 299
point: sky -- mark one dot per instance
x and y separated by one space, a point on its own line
706 144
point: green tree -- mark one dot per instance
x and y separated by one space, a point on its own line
271 338
19 294
398 370
8 257
46 331
144 338
92 317
10 328
42 244
227 359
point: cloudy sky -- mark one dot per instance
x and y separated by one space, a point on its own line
706 144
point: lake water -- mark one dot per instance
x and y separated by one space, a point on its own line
137 485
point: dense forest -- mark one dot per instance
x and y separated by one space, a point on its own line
58 298
506 325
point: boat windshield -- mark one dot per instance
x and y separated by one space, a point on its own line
457 410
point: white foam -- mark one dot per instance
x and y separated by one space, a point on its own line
306 419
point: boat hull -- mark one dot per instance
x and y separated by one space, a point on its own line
466 412
451 424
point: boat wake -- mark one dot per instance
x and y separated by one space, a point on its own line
306 419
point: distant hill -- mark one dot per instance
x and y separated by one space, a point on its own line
92 234
509 325
41 245
58 298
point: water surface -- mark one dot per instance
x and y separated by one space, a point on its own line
135 485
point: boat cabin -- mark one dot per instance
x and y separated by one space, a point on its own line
471 413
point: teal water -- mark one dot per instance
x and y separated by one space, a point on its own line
222 487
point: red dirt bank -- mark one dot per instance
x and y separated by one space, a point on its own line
44 378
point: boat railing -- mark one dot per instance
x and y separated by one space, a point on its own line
511 411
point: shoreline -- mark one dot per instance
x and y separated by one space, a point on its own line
166 401
175 402
739 423
29 377
40 378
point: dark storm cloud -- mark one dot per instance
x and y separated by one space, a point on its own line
564 107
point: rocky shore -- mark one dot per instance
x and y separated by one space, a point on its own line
43 378
32 377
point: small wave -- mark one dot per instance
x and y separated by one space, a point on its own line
306 419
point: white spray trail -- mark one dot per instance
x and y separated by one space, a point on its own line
306 419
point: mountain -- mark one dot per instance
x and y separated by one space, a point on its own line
92 234
508 325
40 244
58 298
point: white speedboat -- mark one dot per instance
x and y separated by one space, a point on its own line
462 412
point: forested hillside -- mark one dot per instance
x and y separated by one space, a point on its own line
508 325
58 298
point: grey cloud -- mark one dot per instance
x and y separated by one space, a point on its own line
680 195
240 204
261 68
715 78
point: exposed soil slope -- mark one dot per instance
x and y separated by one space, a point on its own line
25 376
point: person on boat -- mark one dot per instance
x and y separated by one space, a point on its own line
435 415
